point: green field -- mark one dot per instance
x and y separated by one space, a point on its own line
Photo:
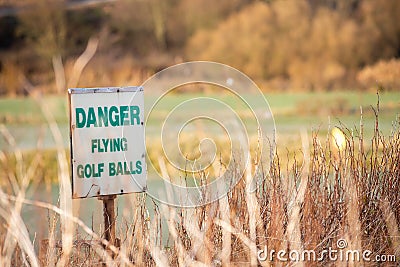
292 112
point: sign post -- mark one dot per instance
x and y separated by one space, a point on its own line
107 146
109 218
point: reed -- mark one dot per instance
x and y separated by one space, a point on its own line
323 194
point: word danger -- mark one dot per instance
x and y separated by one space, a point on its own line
112 116
114 169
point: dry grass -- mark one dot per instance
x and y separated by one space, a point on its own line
308 203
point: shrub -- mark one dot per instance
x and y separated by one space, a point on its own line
384 73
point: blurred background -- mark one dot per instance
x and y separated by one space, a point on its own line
304 45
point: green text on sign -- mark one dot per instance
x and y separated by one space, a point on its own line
107 116
119 168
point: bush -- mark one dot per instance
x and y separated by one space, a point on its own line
384 73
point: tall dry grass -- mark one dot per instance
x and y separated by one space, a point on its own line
308 202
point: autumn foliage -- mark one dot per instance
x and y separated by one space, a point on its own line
283 45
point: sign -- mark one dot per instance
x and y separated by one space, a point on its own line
107 141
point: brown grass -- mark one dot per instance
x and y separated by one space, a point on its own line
310 203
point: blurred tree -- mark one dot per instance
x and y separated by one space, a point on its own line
314 44
159 14
166 25
206 14
384 74
43 27
381 18
260 40
8 27
344 7
306 44
82 25
10 77
140 23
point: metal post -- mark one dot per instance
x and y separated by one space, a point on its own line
109 218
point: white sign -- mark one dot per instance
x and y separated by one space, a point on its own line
107 141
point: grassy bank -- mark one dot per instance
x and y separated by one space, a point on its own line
306 201
292 112
311 105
